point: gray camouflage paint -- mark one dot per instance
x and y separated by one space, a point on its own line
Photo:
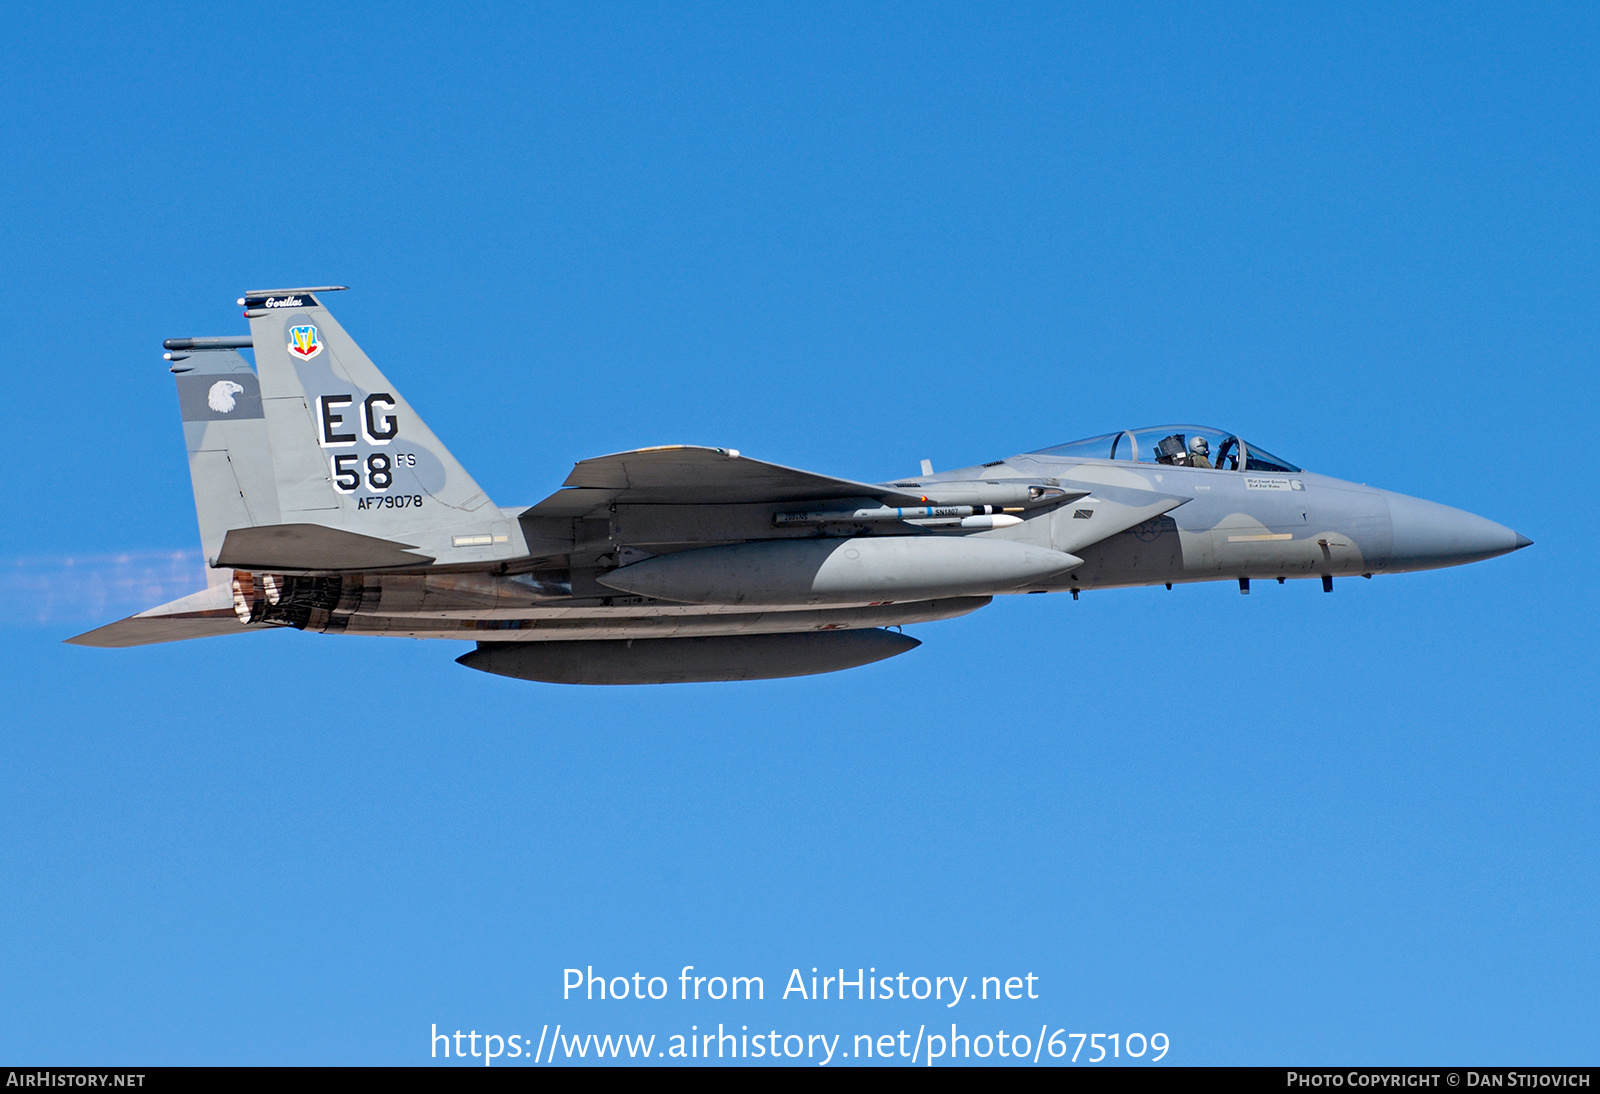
699 530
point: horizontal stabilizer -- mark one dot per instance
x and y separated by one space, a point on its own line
312 548
206 614
687 660
688 475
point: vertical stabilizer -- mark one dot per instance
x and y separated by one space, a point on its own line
348 451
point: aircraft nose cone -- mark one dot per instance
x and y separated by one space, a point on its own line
1429 535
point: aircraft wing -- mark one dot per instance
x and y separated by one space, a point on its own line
689 475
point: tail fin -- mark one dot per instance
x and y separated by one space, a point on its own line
230 463
347 451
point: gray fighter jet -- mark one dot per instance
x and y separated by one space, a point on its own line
326 504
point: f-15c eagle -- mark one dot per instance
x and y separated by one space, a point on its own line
326 504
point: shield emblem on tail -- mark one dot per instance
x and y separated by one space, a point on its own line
304 343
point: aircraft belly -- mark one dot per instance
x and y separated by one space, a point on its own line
621 607
658 624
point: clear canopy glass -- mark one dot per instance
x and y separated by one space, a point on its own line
1175 445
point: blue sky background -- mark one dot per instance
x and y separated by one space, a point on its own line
1283 828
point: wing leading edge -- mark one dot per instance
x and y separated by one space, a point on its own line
690 475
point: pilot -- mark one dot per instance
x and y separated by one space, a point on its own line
1199 452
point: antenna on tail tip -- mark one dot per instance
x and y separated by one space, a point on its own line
292 292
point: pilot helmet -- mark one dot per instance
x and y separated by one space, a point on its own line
1198 444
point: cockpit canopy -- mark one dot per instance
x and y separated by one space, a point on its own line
1176 445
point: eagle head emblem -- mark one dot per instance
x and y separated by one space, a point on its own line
220 397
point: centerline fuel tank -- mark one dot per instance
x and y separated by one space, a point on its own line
687 660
